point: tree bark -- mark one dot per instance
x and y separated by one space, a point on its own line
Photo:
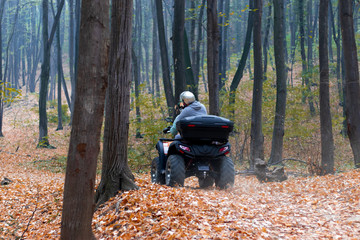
164 58
327 141
281 77
352 78
178 47
116 174
45 71
1 76
266 39
44 79
155 56
306 93
136 79
196 62
213 57
71 49
189 74
78 206
242 63
59 74
76 54
257 138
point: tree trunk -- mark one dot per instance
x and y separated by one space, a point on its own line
44 79
257 138
281 76
45 71
178 47
266 38
242 63
155 55
36 52
1 76
221 17
146 33
116 175
352 78
71 49
76 52
164 57
78 206
293 29
226 41
196 62
11 35
327 141
213 57
190 81
307 93
136 79
59 75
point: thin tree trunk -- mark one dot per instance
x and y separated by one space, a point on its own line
164 58
293 29
257 138
155 55
352 78
44 82
45 70
213 57
71 48
306 93
178 47
242 63
327 141
59 74
190 81
221 42
2 4
281 76
11 35
136 79
266 38
196 62
76 57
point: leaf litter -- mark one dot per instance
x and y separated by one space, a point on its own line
325 207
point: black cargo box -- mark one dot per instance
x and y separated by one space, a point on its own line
205 128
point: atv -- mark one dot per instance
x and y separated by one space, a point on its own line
201 151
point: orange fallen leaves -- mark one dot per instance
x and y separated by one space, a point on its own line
299 208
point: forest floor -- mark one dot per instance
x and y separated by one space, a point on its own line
313 207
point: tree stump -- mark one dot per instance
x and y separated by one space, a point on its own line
5 181
263 174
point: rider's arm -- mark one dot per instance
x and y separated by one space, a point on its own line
186 112
173 127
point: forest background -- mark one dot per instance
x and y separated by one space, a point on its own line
23 47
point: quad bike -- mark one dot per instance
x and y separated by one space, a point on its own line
200 152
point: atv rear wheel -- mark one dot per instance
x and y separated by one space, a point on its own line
175 171
226 176
156 175
206 182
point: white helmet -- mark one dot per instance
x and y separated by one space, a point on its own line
187 97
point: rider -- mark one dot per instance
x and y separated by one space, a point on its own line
191 108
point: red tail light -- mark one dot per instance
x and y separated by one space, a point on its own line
185 148
191 125
224 150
